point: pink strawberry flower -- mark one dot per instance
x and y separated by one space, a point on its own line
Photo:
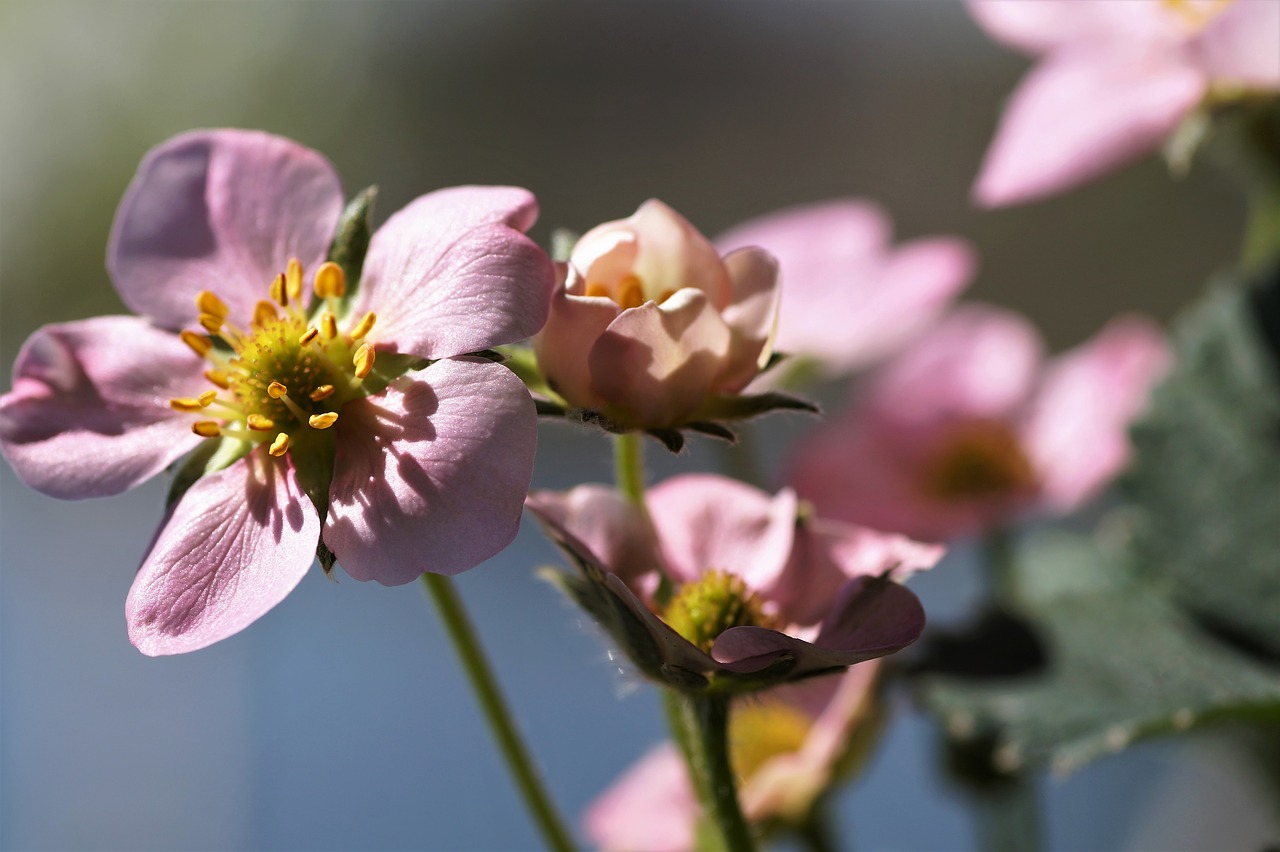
347 415
787 747
1115 78
849 298
971 427
652 323
760 590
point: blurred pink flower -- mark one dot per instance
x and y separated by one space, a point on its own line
849 297
970 427
787 746
652 322
418 469
1114 79
763 591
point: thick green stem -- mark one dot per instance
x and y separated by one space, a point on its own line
628 466
501 725
700 724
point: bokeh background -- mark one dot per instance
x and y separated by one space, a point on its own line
341 720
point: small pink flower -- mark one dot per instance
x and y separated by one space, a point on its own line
786 746
762 591
353 417
970 427
1114 80
848 297
651 322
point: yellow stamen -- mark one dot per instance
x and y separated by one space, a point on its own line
293 279
199 343
221 378
207 397
186 403
280 445
260 423
363 360
275 390
279 294
208 303
264 312
630 292
323 421
321 392
331 281
329 325
206 428
362 327
597 289
309 335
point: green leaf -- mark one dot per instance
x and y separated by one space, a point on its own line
1123 663
1205 482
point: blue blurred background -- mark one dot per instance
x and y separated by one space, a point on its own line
341 720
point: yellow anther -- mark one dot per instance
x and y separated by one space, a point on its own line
260 423
206 428
279 294
362 327
186 403
280 445
221 378
293 279
275 390
363 360
309 335
264 313
630 292
596 290
211 323
207 397
198 342
329 325
331 281
208 303
321 392
323 421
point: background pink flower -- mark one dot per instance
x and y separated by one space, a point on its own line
849 297
1114 79
971 427
405 472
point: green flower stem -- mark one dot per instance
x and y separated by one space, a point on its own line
700 724
501 724
628 466
1262 237
816 833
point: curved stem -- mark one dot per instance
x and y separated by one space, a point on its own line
700 724
501 724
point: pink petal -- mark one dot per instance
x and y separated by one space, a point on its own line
1081 113
655 364
752 317
432 474
234 547
452 273
1242 45
815 241
1037 26
89 412
564 344
1077 430
707 522
224 211
603 520
651 807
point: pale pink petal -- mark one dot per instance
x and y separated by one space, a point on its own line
752 317
655 364
603 520
432 474
1242 45
564 344
671 254
234 547
224 211
1037 26
708 522
815 242
1081 113
651 807
1077 429
89 411
453 273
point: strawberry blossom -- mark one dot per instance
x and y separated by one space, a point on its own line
1115 78
313 411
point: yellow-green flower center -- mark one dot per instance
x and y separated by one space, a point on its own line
700 611
762 730
977 460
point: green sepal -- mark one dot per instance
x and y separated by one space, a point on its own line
741 407
522 361
351 240
211 456
317 447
